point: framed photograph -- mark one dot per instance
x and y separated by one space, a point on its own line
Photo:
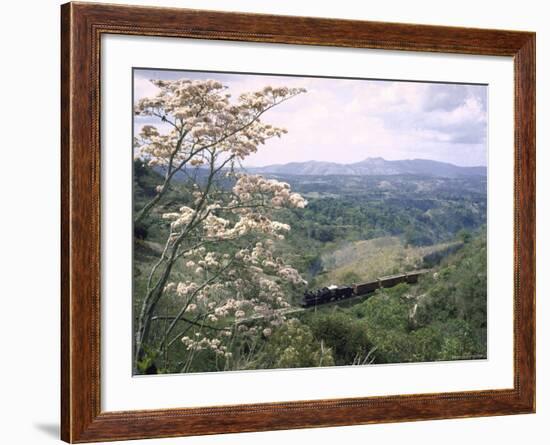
275 222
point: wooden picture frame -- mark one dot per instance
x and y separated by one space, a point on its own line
82 26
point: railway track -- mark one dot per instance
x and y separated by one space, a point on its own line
336 294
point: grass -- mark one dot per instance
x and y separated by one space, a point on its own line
369 259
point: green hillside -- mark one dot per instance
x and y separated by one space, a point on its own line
442 318
353 230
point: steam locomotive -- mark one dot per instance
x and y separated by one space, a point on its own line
326 295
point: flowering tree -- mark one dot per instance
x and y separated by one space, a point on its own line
221 240
204 124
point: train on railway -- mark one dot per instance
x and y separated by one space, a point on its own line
336 293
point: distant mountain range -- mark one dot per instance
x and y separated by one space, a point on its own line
372 167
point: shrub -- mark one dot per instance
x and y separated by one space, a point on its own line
346 336
294 346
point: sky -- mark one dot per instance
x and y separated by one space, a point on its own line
349 120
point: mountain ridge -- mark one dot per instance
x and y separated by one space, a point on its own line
371 167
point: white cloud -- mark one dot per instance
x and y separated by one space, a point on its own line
143 88
346 120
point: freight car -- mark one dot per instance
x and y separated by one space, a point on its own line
335 293
366 288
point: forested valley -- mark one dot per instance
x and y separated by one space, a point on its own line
353 229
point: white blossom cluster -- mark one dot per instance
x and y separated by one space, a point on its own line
202 117
200 343
181 218
247 213
249 283
249 187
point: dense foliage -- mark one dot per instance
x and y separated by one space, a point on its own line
441 318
